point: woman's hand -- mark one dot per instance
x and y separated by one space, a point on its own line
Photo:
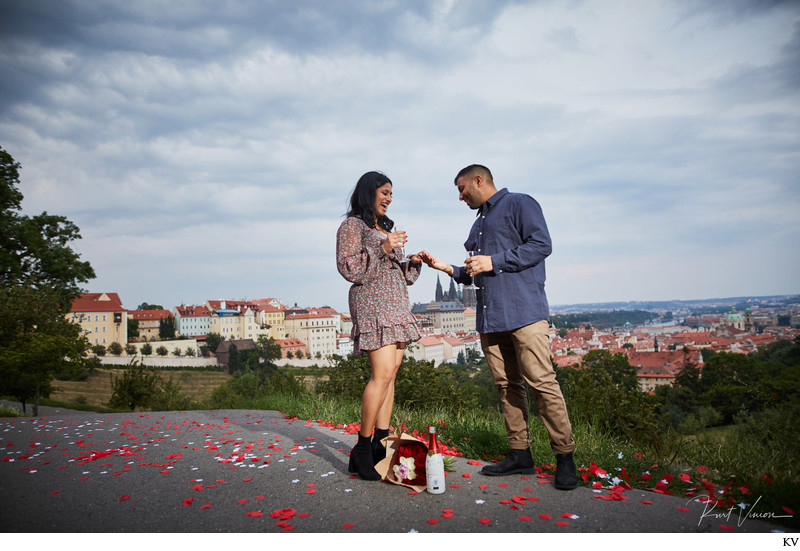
394 240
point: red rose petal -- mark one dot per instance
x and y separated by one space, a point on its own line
466 475
726 527
124 498
647 502
545 516
433 521
562 523
254 514
206 506
348 526
682 508
525 518
188 501
485 520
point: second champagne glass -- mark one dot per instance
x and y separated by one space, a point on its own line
471 278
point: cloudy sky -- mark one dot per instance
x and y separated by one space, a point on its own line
207 149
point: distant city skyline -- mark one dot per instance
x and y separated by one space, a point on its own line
208 153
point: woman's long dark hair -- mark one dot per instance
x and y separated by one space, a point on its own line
362 201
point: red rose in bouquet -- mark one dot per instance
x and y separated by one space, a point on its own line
409 463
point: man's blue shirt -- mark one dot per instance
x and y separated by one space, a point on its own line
510 227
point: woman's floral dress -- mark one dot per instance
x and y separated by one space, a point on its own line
379 304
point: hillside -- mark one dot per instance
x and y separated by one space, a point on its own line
96 390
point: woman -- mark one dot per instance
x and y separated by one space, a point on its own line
370 255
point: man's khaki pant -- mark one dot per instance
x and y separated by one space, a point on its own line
523 356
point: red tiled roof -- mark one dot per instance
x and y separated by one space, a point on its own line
149 314
97 302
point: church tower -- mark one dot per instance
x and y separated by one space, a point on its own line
452 296
439 292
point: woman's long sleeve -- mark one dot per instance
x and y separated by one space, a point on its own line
357 263
411 272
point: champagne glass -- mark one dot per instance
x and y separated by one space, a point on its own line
403 257
471 278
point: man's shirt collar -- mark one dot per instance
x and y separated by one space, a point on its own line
491 201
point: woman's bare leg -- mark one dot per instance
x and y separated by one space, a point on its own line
375 402
384 417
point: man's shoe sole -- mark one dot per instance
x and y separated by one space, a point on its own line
562 487
526 470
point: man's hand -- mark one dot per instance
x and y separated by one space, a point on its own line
435 263
478 264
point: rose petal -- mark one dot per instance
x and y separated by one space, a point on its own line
124 498
348 526
562 523
525 518
433 521
545 516
485 520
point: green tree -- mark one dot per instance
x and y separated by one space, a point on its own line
268 350
40 276
146 349
617 366
166 328
133 328
162 351
213 340
115 348
136 387
233 358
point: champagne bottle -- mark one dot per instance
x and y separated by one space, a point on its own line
434 465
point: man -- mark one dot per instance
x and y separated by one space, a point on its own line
511 241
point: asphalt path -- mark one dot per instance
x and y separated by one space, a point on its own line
255 471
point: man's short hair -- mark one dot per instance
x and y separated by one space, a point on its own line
473 170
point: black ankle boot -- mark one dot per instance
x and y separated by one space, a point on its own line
566 474
378 449
361 460
516 462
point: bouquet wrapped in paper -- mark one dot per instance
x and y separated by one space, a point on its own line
405 461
